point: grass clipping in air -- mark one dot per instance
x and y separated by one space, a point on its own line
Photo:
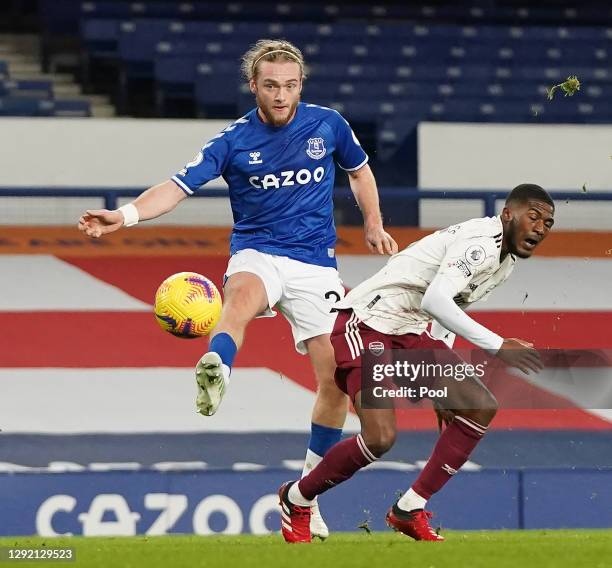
570 86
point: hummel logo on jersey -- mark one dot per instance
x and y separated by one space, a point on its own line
316 148
472 287
255 158
448 469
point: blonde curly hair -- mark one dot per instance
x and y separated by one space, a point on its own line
270 50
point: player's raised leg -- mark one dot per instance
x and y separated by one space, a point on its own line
244 297
328 416
475 408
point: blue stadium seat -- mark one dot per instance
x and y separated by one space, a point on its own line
203 29
25 106
558 74
368 111
343 90
110 9
568 110
138 39
72 108
172 69
100 36
177 78
222 49
218 90
245 103
21 88
404 53
59 17
352 71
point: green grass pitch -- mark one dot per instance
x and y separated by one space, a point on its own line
474 549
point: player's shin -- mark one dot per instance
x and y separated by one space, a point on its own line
224 345
338 465
322 438
451 451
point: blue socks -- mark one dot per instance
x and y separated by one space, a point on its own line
224 345
322 438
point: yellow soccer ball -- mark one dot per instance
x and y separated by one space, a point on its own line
187 305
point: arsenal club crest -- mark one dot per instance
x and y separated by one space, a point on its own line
376 348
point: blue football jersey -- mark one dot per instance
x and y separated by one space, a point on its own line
281 180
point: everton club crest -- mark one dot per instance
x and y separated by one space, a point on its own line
316 148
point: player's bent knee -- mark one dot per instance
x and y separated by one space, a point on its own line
327 387
490 404
485 411
379 440
490 409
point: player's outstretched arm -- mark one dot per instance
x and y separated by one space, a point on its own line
438 302
152 203
363 186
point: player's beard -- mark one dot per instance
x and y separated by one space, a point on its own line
275 120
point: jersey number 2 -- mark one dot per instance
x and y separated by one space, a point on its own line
332 294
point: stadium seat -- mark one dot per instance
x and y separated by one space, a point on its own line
432 54
100 37
26 106
22 88
72 108
128 9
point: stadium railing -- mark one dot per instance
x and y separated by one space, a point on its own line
393 197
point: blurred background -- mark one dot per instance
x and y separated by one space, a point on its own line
99 100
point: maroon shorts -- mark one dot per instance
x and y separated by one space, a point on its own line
351 337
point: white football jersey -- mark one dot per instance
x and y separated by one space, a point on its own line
467 253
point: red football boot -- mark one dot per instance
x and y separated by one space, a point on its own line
295 520
414 523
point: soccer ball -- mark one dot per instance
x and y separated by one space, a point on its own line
187 305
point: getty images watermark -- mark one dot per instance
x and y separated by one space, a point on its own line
400 378
422 376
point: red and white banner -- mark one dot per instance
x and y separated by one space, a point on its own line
80 350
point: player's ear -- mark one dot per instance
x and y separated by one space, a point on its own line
253 86
506 214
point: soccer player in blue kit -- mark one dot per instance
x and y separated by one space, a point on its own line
278 161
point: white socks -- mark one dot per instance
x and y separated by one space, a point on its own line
411 500
296 497
312 460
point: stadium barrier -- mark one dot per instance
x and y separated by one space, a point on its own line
399 204
231 502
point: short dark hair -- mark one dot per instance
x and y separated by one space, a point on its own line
526 191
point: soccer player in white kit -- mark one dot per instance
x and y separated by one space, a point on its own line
428 282
279 164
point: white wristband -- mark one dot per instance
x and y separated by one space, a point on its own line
130 214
